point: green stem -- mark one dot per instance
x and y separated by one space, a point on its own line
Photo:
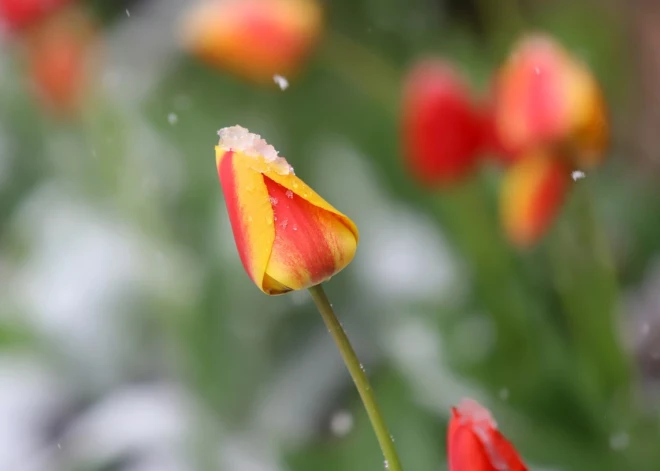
359 377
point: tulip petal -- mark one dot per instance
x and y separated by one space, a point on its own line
311 243
532 194
475 444
250 213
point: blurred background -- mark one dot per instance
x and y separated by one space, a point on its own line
132 340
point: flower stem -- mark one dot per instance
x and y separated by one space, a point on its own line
359 377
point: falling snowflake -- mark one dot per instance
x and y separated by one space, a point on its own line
577 175
281 82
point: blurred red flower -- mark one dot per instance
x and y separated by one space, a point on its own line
441 128
18 14
532 194
543 96
59 55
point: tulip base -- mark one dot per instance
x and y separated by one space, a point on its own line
354 366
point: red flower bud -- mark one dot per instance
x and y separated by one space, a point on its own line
532 194
475 444
441 129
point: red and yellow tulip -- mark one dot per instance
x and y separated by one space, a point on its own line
543 96
287 236
475 444
532 193
255 39
441 128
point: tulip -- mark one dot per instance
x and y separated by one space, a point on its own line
59 56
532 194
491 140
18 14
287 236
475 444
255 39
545 97
441 127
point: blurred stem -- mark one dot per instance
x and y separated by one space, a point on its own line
359 377
586 282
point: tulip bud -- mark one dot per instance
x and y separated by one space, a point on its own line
475 444
255 39
59 55
287 236
18 14
532 193
441 128
544 96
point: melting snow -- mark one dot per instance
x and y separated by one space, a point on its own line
239 139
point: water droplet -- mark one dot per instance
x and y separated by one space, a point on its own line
645 329
295 227
273 201
249 218
387 464
172 118
289 194
128 13
537 71
284 223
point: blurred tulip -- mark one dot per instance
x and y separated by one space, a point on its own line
18 14
532 193
475 444
442 130
544 96
287 236
491 141
59 55
256 39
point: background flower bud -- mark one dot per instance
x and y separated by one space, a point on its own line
441 128
532 193
18 14
544 96
60 57
255 39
